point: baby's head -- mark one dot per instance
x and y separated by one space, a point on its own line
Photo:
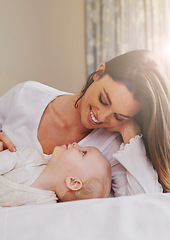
84 172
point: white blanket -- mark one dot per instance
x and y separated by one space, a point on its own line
139 217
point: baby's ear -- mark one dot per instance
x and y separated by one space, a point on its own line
73 183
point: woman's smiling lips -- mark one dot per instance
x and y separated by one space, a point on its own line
92 117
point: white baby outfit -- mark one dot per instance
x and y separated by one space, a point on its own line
18 170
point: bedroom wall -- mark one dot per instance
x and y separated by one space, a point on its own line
42 40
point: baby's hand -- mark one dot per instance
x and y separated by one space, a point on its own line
5 143
128 130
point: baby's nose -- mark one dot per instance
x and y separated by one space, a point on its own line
74 144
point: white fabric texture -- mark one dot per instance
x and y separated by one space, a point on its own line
138 217
18 171
21 109
133 169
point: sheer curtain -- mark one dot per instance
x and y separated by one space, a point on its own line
117 26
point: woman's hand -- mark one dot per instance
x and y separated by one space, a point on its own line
128 130
5 143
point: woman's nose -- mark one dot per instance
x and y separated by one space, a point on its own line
104 115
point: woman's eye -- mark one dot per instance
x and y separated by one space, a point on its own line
102 101
118 119
84 152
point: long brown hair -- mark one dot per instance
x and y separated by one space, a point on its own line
147 81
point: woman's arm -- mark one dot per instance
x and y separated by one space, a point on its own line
132 172
6 105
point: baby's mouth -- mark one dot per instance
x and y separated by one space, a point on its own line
66 145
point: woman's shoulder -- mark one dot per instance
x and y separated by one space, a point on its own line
32 92
33 86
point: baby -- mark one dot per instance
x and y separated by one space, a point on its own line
73 173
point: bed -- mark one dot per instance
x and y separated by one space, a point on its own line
139 217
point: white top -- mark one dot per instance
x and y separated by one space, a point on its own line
18 171
133 172
21 109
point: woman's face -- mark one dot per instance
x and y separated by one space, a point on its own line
107 103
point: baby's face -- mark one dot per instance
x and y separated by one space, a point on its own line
84 162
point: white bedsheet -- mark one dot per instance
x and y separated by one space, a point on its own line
139 217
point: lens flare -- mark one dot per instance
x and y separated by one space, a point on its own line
166 51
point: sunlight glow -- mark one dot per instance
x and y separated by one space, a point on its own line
166 50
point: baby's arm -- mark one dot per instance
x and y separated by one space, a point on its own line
132 173
8 161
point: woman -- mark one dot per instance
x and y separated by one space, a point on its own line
124 93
